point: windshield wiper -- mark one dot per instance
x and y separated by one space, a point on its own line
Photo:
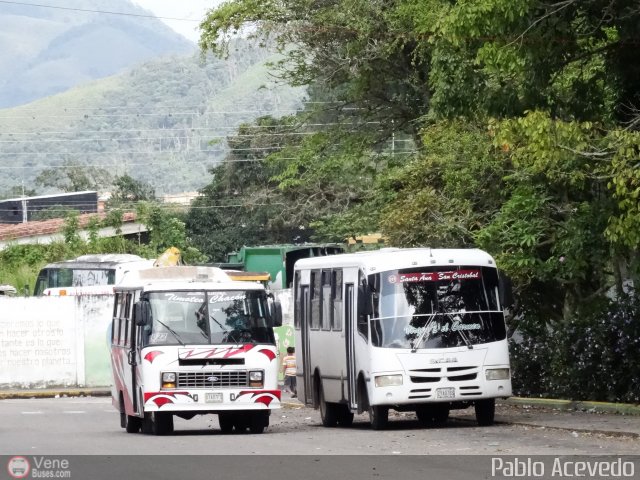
463 335
226 332
172 331
420 339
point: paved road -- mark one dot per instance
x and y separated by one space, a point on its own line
85 433
89 426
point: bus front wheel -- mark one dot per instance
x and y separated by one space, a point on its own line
485 411
157 423
258 422
134 424
433 415
130 423
226 422
378 416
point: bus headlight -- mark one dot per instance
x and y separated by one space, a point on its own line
168 380
388 380
256 378
497 374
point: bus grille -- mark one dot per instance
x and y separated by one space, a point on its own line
212 379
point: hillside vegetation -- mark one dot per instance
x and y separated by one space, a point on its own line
163 122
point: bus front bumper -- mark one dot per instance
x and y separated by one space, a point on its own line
211 400
441 392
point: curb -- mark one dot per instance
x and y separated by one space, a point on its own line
573 405
9 394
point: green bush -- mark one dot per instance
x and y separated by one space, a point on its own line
595 356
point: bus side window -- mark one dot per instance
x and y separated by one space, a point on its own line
127 316
363 308
336 298
114 317
327 300
298 300
121 320
316 305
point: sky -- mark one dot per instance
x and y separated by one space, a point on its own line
187 9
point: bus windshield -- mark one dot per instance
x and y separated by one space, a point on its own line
73 277
439 307
208 317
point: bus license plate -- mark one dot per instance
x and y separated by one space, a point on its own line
446 392
215 397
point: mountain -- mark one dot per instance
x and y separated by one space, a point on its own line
44 51
163 122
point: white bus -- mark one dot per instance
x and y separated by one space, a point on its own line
407 329
188 341
87 274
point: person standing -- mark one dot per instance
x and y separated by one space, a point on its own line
289 370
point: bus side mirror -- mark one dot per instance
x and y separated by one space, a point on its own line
142 313
276 313
365 300
505 290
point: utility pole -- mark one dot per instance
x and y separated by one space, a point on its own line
24 205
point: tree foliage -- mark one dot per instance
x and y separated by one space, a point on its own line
524 116
73 177
127 191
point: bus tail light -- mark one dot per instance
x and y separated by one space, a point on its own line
497 374
168 380
256 378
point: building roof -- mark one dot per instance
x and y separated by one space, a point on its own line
52 196
15 231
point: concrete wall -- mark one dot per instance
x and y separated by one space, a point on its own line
55 341
63 341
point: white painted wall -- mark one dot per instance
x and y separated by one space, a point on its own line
55 341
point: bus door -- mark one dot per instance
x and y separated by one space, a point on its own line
304 335
133 355
350 329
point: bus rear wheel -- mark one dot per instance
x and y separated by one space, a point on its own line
485 411
328 411
344 416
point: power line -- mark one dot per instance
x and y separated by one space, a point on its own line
160 129
178 137
129 107
56 7
125 163
154 152
169 114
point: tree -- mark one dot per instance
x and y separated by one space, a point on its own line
19 191
364 53
504 57
242 204
73 177
128 191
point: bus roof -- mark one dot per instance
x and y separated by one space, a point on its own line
108 260
184 278
398 258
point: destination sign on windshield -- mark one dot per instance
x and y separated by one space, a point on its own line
433 276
